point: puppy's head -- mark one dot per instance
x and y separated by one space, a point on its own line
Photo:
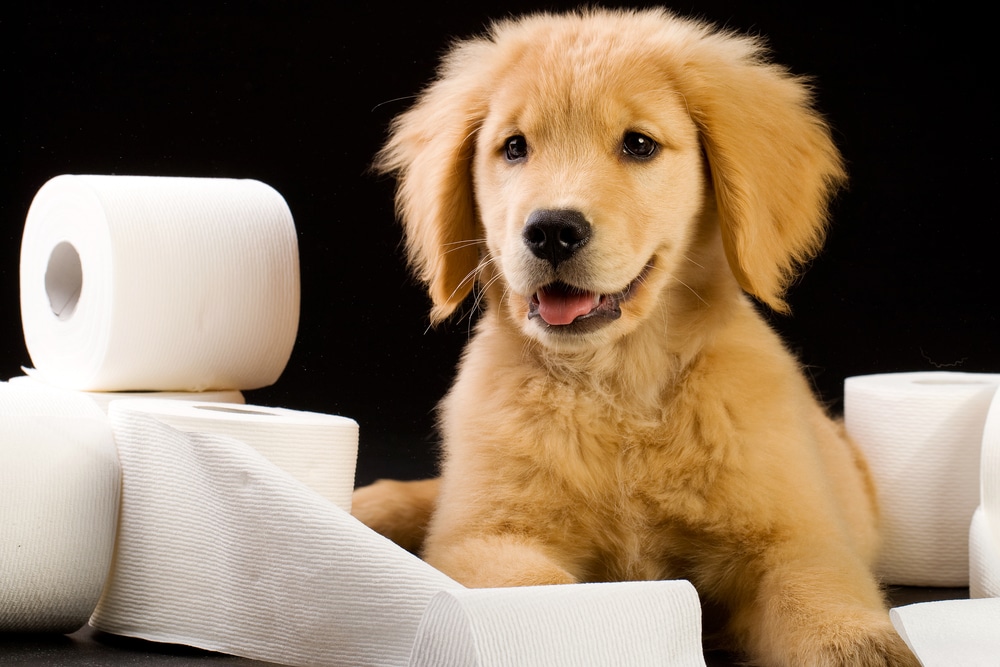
567 163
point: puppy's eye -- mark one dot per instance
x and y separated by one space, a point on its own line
638 145
516 148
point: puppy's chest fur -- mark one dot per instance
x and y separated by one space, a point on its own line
630 478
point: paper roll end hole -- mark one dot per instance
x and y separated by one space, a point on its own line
64 280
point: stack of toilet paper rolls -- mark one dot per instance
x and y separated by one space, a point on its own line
176 292
932 440
138 491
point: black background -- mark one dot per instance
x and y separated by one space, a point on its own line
299 95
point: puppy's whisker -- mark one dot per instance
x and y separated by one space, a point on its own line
688 259
693 291
471 276
480 293
460 245
475 127
393 100
479 289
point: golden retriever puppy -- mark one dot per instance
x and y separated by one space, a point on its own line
611 185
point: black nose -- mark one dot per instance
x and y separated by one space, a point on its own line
556 235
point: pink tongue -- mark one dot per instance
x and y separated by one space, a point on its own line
559 307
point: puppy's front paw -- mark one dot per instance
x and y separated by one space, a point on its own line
870 642
397 510
854 639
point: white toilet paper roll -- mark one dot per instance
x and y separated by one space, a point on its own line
59 490
922 434
319 450
220 549
133 283
633 623
989 476
984 559
104 398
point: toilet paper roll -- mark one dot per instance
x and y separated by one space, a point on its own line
319 450
951 632
59 490
922 435
220 549
135 283
989 477
634 623
984 558
103 398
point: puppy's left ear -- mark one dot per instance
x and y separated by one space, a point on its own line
430 150
774 165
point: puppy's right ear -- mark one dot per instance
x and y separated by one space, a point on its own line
430 151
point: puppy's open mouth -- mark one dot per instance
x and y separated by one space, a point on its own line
561 305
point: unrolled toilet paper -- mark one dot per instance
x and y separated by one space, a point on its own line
59 490
951 633
318 450
640 624
132 283
220 549
103 399
922 434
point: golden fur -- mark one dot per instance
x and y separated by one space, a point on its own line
668 433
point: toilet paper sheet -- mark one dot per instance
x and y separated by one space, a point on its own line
134 283
922 434
951 632
219 549
640 624
59 491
